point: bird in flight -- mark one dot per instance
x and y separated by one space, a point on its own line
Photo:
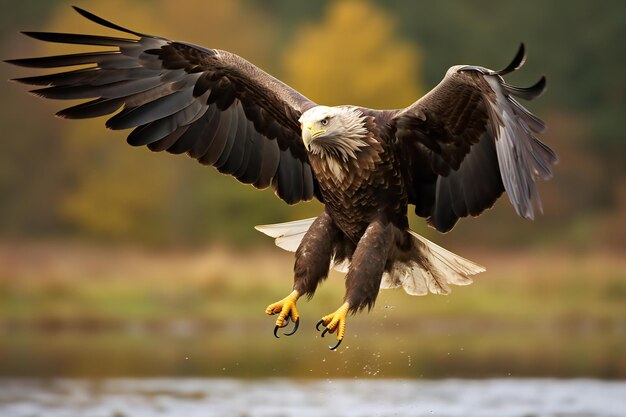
449 155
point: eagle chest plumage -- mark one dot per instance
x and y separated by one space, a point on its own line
358 189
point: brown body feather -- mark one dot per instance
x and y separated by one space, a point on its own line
369 186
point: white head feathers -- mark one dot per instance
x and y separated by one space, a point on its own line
337 131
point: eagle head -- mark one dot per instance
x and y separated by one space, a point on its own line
339 130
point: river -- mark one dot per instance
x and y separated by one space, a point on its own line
150 397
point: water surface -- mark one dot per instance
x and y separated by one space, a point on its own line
303 398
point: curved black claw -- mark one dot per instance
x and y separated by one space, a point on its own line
336 346
317 326
296 324
295 327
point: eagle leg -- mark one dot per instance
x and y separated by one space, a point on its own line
363 278
286 309
335 322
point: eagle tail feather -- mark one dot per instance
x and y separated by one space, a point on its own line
430 267
287 235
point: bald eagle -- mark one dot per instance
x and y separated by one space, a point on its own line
450 154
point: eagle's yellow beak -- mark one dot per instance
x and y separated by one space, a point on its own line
309 134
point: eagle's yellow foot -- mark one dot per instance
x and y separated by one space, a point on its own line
335 321
286 309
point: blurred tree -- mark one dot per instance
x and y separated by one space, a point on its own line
235 26
353 57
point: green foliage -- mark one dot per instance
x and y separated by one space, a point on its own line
76 313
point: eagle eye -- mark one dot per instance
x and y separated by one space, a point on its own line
324 122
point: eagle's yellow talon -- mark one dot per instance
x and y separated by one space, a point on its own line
286 309
335 322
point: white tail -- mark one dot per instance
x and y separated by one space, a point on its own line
287 235
430 268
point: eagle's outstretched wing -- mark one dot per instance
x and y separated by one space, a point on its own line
215 106
467 141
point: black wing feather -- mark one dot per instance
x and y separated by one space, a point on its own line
167 142
178 97
94 108
84 58
477 141
516 63
106 23
79 39
217 142
251 168
229 142
197 145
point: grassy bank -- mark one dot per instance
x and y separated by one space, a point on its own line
85 310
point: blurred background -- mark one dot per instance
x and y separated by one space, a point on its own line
115 261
